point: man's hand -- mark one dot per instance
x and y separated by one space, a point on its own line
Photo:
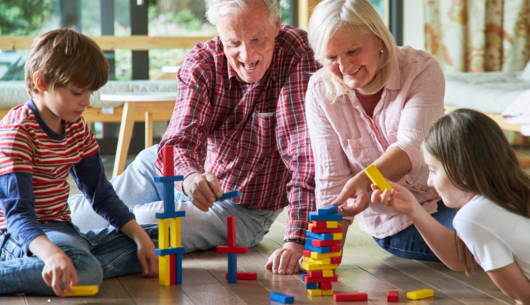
202 189
285 260
355 188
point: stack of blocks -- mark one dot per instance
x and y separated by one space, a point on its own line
322 254
232 250
170 248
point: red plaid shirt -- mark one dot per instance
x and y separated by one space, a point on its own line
253 137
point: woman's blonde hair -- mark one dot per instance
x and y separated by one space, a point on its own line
329 16
478 159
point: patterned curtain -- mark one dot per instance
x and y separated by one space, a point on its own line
478 35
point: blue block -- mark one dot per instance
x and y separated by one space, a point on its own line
178 272
169 197
282 297
311 286
168 179
170 215
169 251
321 236
303 276
232 268
317 249
329 209
330 217
229 195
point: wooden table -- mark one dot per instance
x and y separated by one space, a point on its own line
138 102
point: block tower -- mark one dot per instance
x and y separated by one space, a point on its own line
170 251
322 254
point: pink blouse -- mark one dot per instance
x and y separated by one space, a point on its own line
345 140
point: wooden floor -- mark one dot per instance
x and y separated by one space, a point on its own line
365 268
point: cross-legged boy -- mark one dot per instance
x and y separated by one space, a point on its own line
41 142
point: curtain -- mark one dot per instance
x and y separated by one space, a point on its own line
478 35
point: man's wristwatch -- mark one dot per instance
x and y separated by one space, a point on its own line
298 241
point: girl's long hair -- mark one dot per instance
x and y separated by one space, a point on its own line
478 159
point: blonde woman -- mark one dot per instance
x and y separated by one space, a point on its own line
372 102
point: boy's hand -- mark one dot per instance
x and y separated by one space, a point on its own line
399 199
146 249
58 268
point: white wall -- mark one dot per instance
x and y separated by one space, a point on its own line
413 24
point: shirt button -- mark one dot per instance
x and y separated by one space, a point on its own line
230 142
220 161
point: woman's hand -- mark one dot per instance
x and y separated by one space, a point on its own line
399 199
354 189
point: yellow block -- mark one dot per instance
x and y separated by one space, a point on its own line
163 236
311 266
314 292
324 261
79 291
332 224
327 292
420 294
175 232
377 178
337 236
316 255
163 270
327 273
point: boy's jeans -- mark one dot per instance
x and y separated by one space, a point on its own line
200 230
96 255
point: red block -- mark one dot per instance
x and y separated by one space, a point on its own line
334 249
245 276
227 249
231 225
314 229
307 253
392 296
336 260
315 273
172 269
310 279
324 243
325 286
320 224
348 297
169 162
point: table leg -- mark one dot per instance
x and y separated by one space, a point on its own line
148 129
124 139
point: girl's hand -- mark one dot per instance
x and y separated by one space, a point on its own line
399 199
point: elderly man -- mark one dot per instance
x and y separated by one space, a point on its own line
238 124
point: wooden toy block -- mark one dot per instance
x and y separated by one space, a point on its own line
327 273
324 261
178 262
310 279
317 249
304 275
169 180
420 294
314 292
282 297
227 249
83 291
170 215
377 178
348 297
311 266
232 268
331 224
168 161
172 269
245 276
311 286
315 273
327 292
314 229
325 286
174 232
229 195
168 189
392 296
336 260
329 209
330 217
163 270
163 234
316 255
322 236
337 236
323 243
169 251
334 248
307 253
231 226
319 224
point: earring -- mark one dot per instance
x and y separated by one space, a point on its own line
381 52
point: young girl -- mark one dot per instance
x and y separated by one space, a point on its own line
473 168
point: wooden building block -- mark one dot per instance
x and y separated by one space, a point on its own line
229 195
311 286
227 249
231 226
327 210
78 291
315 273
392 296
232 268
178 263
324 261
420 294
332 224
316 255
314 229
307 253
327 273
319 224
172 269
163 234
311 266
337 236
310 279
349 297
163 270
323 243
308 246
246 276
377 178
282 297
168 161
336 260
325 286
329 217
175 235
327 292
314 292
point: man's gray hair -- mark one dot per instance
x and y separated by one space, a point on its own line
224 7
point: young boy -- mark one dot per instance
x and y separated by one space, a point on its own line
41 142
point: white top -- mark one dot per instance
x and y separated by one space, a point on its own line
139 96
495 236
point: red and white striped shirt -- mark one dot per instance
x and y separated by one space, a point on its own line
253 137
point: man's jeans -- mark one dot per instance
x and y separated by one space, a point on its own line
96 255
200 230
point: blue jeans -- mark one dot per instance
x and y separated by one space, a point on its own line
96 255
200 230
409 243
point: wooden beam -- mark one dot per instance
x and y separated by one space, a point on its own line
305 8
108 43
